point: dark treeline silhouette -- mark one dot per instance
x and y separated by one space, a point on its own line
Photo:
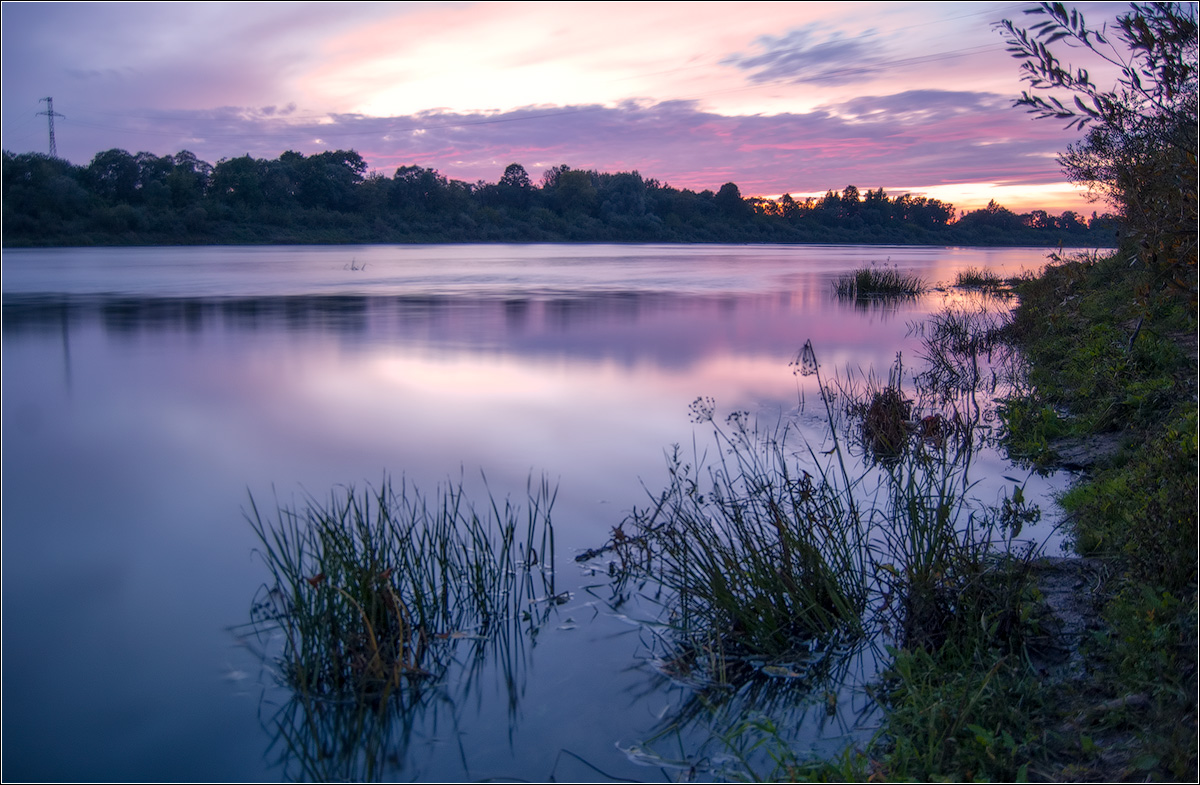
329 197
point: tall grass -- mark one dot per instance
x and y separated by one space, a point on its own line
760 547
775 563
362 586
752 555
764 547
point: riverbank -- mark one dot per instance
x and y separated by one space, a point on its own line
1099 683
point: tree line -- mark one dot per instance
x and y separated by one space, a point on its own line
330 197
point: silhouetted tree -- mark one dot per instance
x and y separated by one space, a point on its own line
729 203
1140 151
851 202
622 194
788 207
113 174
515 189
574 192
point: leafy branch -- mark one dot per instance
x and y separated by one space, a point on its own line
1156 73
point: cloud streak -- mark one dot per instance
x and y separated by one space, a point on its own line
922 137
810 54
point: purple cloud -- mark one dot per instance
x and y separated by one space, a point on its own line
808 54
924 137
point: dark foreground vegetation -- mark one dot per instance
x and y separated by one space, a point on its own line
144 199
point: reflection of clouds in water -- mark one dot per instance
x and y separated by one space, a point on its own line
198 373
628 327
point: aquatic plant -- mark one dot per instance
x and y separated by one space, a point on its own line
362 739
867 282
979 278
884 414
362 587
752 554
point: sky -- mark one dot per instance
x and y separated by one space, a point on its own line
776 97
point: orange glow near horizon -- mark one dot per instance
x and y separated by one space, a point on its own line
770 96
1054 198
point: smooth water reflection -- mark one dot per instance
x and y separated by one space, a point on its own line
147 391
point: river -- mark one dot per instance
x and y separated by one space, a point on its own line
148 393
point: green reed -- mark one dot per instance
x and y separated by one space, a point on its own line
360 738
363 586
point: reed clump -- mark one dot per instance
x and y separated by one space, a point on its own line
885 422
759 555
878 282
979 278
754 555
363 587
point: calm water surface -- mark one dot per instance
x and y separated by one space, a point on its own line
147 393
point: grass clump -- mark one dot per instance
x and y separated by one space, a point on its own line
885 422
979 278
1144 507
754 555
1102 344
362 588
879 282
956 713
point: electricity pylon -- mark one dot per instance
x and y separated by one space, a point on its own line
50 115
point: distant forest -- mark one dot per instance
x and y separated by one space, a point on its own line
329 197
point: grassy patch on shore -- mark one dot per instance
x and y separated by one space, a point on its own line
1107 353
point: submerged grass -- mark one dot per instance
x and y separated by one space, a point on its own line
361 587
364 739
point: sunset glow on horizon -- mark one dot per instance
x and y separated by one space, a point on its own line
779 98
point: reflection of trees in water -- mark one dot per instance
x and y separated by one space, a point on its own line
670 329
130 315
